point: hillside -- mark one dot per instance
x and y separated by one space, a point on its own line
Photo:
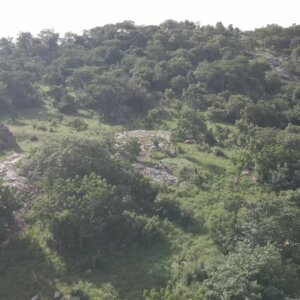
150 162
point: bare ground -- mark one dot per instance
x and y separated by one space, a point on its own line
10 175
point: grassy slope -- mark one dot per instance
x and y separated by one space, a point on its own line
46 121
29 267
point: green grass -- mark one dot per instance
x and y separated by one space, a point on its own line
29 266
45 122
193 158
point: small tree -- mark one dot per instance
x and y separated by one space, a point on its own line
191 125
79 211
132 149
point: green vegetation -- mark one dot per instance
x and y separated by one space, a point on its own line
8 204
213 115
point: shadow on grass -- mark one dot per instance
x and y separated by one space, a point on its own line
25 271
17 149
16 117
211 167
131 271
179 216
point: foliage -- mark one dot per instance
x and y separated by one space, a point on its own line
228 230
255 273
131 149
191 125
8 204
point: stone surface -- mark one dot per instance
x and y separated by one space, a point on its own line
10 175
155 171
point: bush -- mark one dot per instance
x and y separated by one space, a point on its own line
193 175
88 213
88 291
131 149
218 152
41 127
78 124
8 204
67 157
34 138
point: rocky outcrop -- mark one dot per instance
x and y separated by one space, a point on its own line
7 140
11 176
145 138
156 172
150 140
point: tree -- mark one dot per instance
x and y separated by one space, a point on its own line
262 114
65 158
234 107
131 149
18 87
294 64
48 44
178 83
67 104
191 125
80 211
276 159
257 273
178 66
194 97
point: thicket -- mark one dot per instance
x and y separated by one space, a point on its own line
225 94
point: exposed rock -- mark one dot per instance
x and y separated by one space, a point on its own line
69 297
279 65
190 141
145 138
156 172
10 175
57 295
145 134
36 297
7 140
246 173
